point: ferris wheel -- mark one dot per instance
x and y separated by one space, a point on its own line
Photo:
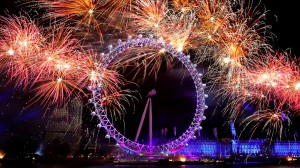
123 141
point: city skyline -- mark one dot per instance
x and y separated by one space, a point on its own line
18 118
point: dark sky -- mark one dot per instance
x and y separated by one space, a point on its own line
15 120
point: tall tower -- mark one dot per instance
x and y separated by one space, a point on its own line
64 126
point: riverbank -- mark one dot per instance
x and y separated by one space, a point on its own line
228 161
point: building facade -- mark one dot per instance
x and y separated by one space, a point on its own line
64 126
217 149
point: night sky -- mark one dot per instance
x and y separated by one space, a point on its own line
17 119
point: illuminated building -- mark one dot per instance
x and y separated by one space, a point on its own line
206 148
216 149
64 125
287 148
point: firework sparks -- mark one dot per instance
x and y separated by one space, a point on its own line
238 34
273 122
181 40
149 15
82 14
117 9
277 75
54 64
114 102
56 91
272 78
20 41
143 62
212 15
184 5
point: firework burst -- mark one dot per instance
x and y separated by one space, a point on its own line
277 76
84 15
20 42
273 122
52 63
211 15
274 77
239 32
243 38
181 40
143 62
117 10
149 15
184 5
